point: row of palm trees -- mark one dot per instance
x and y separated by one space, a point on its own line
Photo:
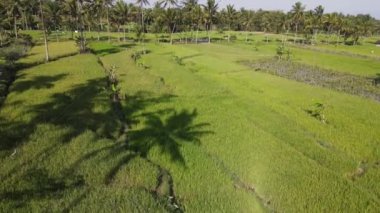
171 16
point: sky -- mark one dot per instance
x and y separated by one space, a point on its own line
345 6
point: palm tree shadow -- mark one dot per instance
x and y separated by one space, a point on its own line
168 134
39 82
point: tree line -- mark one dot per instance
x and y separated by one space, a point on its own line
173 16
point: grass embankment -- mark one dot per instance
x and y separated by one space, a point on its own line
205 130
56 50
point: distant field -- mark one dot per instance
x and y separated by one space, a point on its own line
206 133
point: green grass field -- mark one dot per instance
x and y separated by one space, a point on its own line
205 133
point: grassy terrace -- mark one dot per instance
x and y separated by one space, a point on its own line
206 134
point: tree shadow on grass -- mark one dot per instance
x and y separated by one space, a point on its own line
41 185
88 107
38 82
112 49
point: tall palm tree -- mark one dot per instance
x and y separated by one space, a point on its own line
170 18
96 9
210 10
318 20
54 16
199 17
247 21
189 7
168 3
70 9
80 21
14 9
121 13
297 14
171 15
141 4
231 18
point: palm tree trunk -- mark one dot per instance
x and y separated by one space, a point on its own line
108 25
296 37
196 36
124 33
337 39
208 27
24 18
44 31
171 34
15 26
100 27
1 38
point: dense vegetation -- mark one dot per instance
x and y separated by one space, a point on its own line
171 16
252 122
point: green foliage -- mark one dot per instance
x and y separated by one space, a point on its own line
178 60
136 56
113 84
13 53
70 156
317 111
282 51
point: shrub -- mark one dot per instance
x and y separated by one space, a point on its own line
136 56
316 111
282 51
178 60
113 84
12 53
233 38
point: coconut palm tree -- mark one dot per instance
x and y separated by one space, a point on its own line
318 20
96 10
247 21
189 7
14 9
231 16
141 4
199 17
53 16
210 10
70 10
168 3
121 14
297 14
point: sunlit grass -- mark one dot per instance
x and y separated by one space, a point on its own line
258 150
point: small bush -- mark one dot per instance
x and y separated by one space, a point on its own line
136 56
282 51
13 53
316 111
113 84
178 60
